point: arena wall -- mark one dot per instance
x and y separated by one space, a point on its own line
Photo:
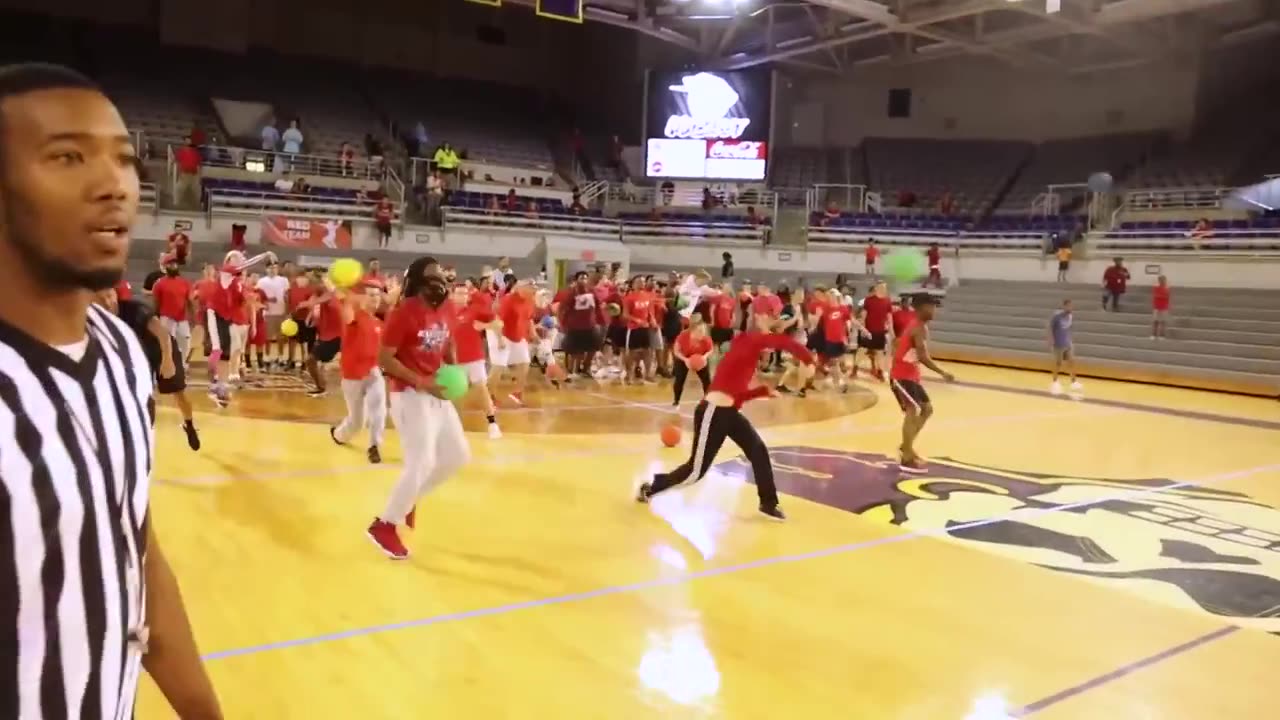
975 99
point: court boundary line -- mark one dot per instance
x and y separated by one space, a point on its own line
655 583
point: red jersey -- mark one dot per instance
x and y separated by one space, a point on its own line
329 324
203 291
228 299
738 366
516 313
1159 297
124 291
835 323
689 347
872 254
902 319
179 244
1115 278
722 309
483 299
877 311
295 297
906 364
468 345
581 310
637 309
382 214
418 334
361 339
171 294
935 257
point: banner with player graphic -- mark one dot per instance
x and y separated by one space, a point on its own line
283 231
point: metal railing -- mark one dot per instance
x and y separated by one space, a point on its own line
588 192
244 202
1195 198
420 169
612 228
760 198
1221 241
848 198
919 238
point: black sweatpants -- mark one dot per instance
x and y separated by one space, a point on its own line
712 425
680 372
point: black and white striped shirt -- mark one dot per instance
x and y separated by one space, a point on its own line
75 468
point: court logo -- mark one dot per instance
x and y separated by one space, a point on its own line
1192 546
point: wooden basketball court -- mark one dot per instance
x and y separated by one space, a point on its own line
1113 558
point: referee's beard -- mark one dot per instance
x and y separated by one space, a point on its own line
53 272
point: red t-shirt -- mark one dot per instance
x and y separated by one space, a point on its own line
872 253
468 345
204 291
124 291
689 347
835 323
1160 297
1115 278
329 324
902 319
517 314
419 335
877 311
738 366
295 297
361 339
580 310
935 257
906 365
483 299
171 295
188 160
722 309
227 301
383 212
637 309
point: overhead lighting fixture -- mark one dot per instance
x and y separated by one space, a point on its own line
1052 6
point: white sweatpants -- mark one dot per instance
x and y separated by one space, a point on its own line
433 444
366 402
180 330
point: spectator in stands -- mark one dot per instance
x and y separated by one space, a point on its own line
831 214
576 207
870 257
347 159
178 244
668 190
947 204
271 143
1064 262
511 203
293 140
1160 308
753 217
708 200
726 270
383 213
435 197
187 191
1114 282
447 162
1202 230
934 258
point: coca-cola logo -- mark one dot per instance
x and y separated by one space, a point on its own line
744 150
684 126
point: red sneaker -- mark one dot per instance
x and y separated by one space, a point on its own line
412 518
383 534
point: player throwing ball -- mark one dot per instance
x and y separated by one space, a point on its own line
414 345
719 415
910 352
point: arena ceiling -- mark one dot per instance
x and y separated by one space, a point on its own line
835 36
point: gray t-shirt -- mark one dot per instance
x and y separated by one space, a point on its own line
1060 326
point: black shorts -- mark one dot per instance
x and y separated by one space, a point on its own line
579 342
832 350
306 336
720 336
638 339
384 229
875 342
617 336
1063 264
224 333
326 350
910 394
177 383
815 343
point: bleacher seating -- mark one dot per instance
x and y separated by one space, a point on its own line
249 196
1216 154
1072 161
799 167
974 172
1256 235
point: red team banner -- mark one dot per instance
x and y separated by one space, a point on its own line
284 231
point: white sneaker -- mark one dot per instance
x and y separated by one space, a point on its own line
1055 388
494 432
1077 386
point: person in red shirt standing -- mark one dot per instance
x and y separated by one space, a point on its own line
172 296
226 309
178 245
298 307
1160 308
871 255
833 325
473 318
415 343
720 308
581 317
910 352
1114 282
719 416
383 213
903 317
934 257
328 324
187 191
515 311
202 292
689 343
362 386
878 307
637 316
256 301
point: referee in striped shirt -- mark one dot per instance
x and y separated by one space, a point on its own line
86 597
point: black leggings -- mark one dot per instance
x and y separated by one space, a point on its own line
680 372
712 425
